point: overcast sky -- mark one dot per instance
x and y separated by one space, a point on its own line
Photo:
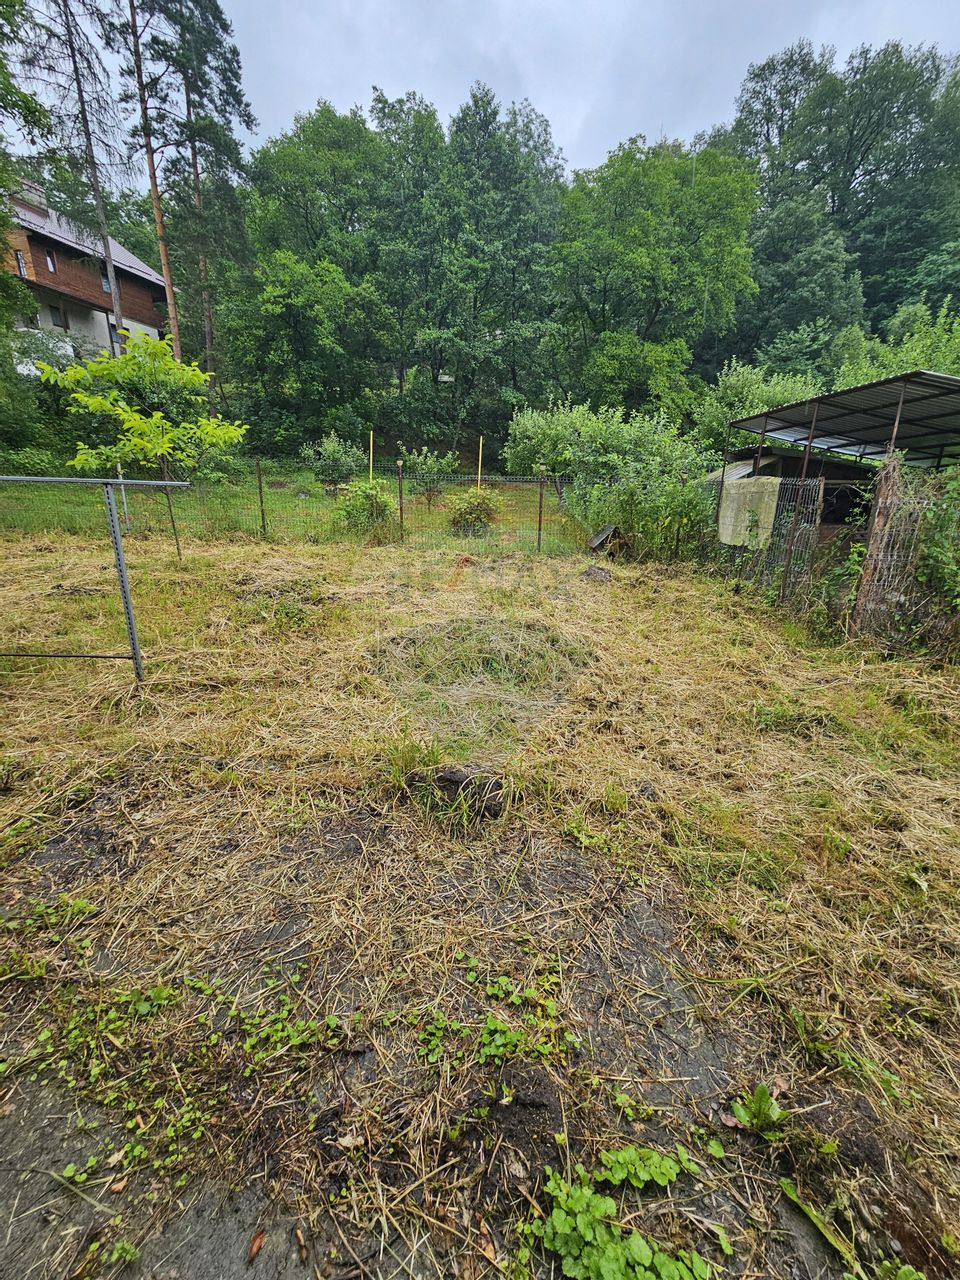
600 70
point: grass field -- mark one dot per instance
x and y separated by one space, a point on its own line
296 508
280 1000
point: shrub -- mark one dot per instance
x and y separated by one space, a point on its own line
344 421
473 512
572 439
29 462
741 390
940 536
428 471
661 515
367 507
142 407
333 461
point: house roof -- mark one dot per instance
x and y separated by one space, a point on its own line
861 421
49 223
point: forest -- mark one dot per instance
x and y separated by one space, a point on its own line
383 269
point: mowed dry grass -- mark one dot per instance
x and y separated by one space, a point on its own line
776 818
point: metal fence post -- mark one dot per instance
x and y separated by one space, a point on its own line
165 474
121 564
123 499
400 492
263 509
173 524
543 481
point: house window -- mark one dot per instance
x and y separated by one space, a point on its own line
51 260
58 318
21 264
105 280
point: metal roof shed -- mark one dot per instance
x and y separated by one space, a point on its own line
917 413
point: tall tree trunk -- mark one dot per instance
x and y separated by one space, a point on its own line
206 304
154 184
93 172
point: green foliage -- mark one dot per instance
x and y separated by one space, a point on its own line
52 918
367 507
806 279
122 1251
428 471
333 461
636 472
78 1174
818 133
473 512
28 462
583 1231
661 513
917 338
534 1029
742 390
638 1166
939 566
760 1112
435 1037
652 256
142 407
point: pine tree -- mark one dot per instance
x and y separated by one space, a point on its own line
64 62
151 95
203 55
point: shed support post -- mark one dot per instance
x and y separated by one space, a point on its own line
791 537
763 437
896 422
723 470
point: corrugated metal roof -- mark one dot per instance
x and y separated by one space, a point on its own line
48 223
859 421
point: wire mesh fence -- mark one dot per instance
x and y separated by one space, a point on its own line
529 513
856 553
783 557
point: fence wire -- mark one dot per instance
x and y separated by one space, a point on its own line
786 559
299 509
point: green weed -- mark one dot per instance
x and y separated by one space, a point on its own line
583 1231
760 1112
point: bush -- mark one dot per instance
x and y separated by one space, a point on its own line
367 507
572 439
346 423
333 461
939 567
428 471
472 513
143 407
662 516
29 462
221 466
742 390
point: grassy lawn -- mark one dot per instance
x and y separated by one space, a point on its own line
296 508
256 943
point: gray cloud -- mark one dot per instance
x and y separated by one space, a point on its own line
601 71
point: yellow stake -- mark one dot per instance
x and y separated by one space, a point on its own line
371 457
479 464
